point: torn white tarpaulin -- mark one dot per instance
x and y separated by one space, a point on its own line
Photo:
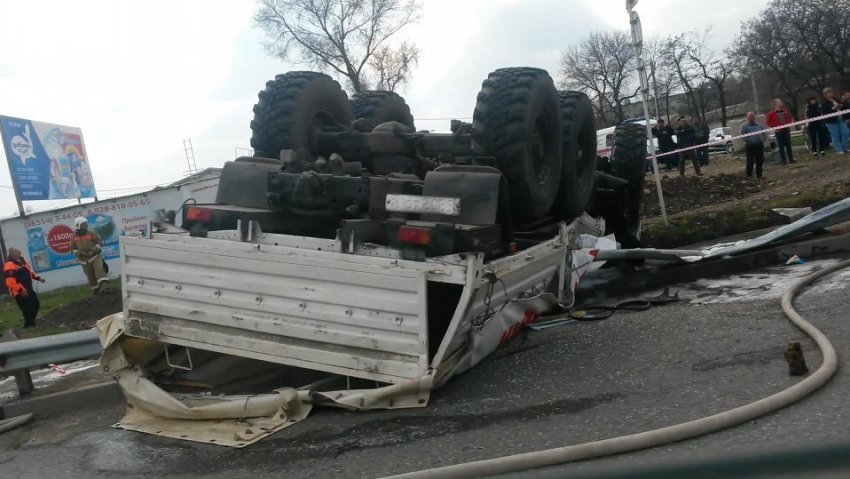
509 317
586 258
227 420
235 421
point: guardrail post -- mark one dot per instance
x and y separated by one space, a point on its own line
18 356
23 379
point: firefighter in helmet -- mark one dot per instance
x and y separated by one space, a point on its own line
86 245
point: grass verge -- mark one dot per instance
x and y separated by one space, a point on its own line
10 315
698 227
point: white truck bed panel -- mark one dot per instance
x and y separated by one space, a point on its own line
365 317
302 302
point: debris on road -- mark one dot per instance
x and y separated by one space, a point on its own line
598 312
789 215
7 425
795 359
795 260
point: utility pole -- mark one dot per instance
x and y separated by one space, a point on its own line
655 93
637 40
9 154
755 92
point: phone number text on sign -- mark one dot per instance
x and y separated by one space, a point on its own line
119 206
49 220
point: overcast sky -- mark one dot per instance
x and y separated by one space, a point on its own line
139 77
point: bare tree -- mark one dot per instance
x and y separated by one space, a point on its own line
678 55
339 36
603 66
763 51
664 79
802 46
392 67
713 70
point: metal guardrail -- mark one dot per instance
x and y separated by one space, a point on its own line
24 354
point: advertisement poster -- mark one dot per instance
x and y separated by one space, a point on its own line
49 236
47 162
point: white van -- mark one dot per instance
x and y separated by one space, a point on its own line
605 140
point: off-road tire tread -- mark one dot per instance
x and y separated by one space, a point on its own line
575 192
498 127
380 106
275 111
628 161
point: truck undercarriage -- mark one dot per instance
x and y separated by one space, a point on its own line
526 162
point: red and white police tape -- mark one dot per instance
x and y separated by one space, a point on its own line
764 131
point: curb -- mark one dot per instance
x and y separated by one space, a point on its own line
90 397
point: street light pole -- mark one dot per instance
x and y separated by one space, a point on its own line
637 41
755 92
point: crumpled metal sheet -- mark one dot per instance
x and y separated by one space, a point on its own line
835 213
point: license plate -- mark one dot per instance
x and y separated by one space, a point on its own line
423 204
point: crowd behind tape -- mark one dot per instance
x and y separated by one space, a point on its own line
764 131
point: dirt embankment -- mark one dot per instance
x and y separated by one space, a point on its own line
725 202
83 313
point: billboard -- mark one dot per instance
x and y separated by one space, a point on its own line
49 236
47 162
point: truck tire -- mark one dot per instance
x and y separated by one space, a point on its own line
628 162
292 107
378 107
517 120
579 125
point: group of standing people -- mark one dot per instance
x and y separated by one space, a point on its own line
836 127
778 118
86 245
687 135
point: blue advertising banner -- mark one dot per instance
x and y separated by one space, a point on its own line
49 236
47 162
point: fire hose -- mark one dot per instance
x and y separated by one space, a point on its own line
7 425
665 435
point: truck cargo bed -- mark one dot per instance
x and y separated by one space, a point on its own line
302 302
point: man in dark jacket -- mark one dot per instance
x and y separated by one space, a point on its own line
837 128
701 133
817 131
685 137
19 278
664 133
845 106
754 144
778 118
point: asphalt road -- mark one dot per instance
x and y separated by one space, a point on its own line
566 385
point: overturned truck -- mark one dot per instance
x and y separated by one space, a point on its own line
354 245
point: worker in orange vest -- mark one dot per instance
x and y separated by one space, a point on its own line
86 244
19 278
